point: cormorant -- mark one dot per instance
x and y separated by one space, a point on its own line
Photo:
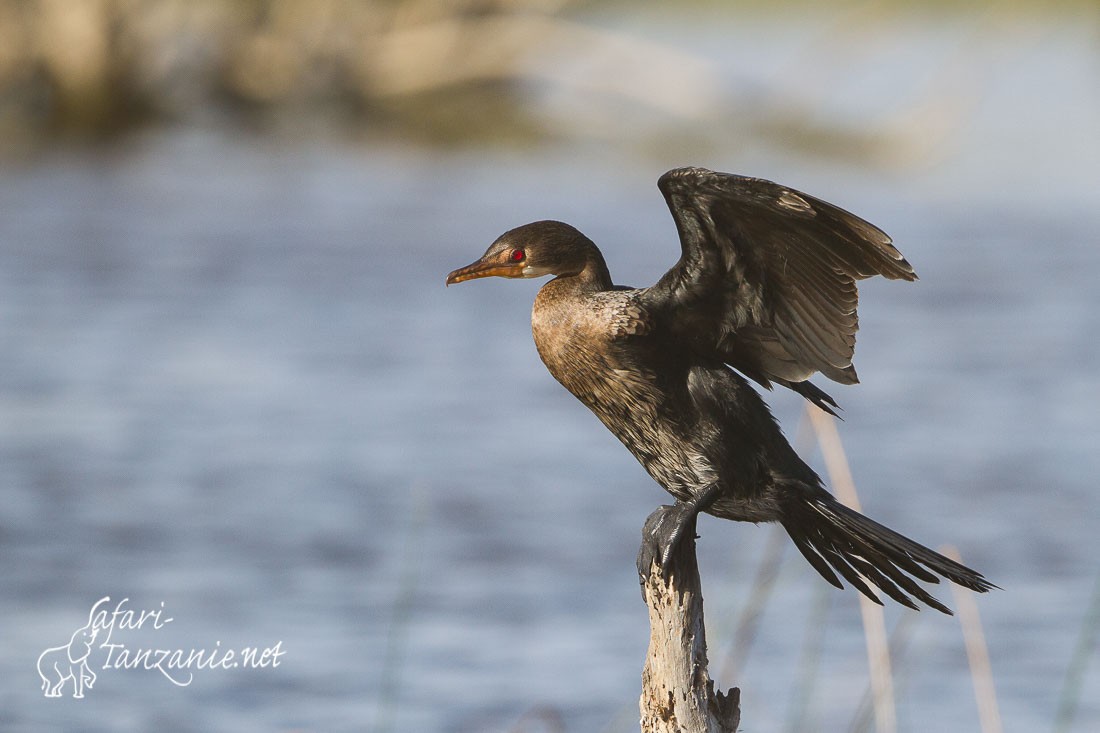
765 288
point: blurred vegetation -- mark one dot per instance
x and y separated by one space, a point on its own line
434 70
94 68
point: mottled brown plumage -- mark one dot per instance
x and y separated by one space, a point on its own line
766 285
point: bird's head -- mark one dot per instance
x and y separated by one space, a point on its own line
534 250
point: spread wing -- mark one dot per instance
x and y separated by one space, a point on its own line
767 278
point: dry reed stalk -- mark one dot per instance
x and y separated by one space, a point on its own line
981 672
900 637
1075 673
874 619
404 606
798 719
748 622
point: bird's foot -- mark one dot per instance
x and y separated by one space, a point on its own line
667 527
664 529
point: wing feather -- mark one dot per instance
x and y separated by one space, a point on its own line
766 279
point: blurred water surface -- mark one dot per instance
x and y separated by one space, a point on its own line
233 383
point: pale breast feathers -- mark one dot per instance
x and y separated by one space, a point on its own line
623 315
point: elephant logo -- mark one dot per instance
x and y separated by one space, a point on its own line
59 664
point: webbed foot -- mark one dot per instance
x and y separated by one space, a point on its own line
664 529
667 527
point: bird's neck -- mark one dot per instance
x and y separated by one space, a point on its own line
594 277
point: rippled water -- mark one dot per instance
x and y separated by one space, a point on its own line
233 383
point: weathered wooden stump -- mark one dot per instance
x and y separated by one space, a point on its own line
677 691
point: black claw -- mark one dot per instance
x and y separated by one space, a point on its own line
667 527
664 530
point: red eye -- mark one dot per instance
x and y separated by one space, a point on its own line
518 255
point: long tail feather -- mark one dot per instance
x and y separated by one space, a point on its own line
833 537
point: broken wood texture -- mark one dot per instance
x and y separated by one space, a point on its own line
677 691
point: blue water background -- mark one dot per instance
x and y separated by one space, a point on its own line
233 383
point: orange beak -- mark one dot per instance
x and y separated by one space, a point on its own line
486 268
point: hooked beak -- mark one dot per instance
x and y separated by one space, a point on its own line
486 268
